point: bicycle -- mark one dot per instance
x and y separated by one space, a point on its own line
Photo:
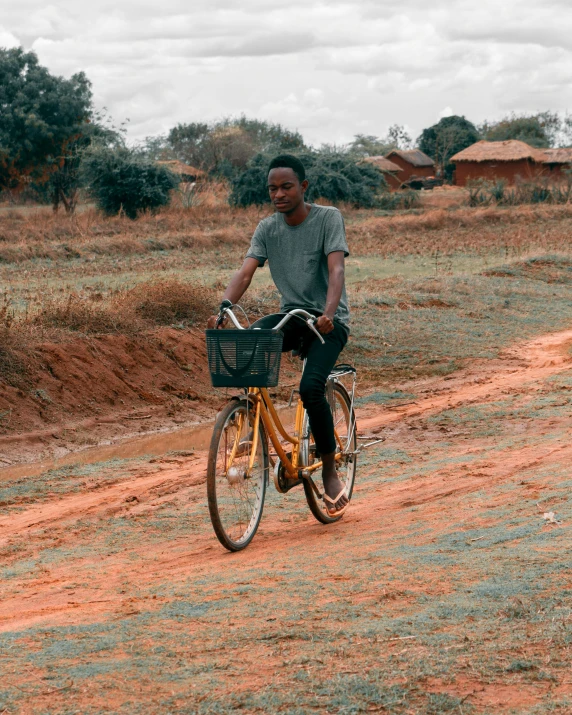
239 456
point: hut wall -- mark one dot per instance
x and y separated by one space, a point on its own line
393 180
509 170
556 171
408 170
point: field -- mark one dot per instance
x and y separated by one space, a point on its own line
446 587
121 295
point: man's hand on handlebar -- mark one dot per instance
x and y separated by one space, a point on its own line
219 321
212 322
324 324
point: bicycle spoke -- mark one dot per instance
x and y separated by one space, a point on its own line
239 498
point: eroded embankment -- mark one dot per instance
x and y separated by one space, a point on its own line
76 393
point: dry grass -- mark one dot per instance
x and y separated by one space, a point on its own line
520 229
44 235
112 275
163 302
213 225
167 302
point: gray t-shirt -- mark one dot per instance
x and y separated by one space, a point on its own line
298 257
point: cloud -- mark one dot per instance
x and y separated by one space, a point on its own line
7 39
330 70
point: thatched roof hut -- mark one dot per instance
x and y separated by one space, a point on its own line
412 163
389 168
509 150
557 163
509 160
185 171
558 156
415 157
383 164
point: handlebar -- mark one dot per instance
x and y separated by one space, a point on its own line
308 318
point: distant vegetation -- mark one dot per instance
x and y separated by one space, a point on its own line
485 193
223 148
45 123
119 179
332 175
542 130
53 144
444 139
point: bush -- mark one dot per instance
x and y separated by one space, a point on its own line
170 301
540 191
331 175
398 200
120 179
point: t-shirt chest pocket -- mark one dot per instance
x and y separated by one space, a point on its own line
312 259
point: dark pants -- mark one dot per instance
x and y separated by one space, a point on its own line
320 359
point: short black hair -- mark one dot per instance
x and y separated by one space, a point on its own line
288 161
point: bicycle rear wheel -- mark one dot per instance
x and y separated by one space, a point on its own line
345 426
235 495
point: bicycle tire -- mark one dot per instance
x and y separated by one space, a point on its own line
222 489
317 506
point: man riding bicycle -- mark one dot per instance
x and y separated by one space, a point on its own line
305 246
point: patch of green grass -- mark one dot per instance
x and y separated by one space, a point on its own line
22 492
382 398
402 330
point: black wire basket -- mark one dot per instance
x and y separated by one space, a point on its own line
244 358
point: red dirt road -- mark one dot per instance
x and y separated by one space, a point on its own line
138 541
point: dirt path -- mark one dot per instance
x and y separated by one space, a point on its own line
474 460
533 361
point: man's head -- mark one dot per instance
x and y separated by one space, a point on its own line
286 183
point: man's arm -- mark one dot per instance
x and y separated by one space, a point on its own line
336 277
238 285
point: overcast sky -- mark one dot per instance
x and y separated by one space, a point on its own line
330 69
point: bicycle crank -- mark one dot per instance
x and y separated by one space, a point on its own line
305 474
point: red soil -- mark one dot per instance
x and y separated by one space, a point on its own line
78 393
45 600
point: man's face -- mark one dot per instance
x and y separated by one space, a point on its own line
285 189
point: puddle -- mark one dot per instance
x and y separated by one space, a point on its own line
197 437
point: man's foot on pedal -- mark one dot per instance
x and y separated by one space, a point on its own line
334 489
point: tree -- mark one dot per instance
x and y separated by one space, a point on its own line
332 176
122 179
364 145
539 130
157 148
66 180
399 137
42 118
444 139
565 138
225 147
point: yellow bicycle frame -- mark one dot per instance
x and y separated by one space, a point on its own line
265 411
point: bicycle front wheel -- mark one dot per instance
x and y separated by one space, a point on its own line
345 429
235 492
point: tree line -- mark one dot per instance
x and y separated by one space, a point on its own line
53 143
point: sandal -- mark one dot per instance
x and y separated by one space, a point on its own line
338 512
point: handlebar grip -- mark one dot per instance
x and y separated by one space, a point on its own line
310 324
